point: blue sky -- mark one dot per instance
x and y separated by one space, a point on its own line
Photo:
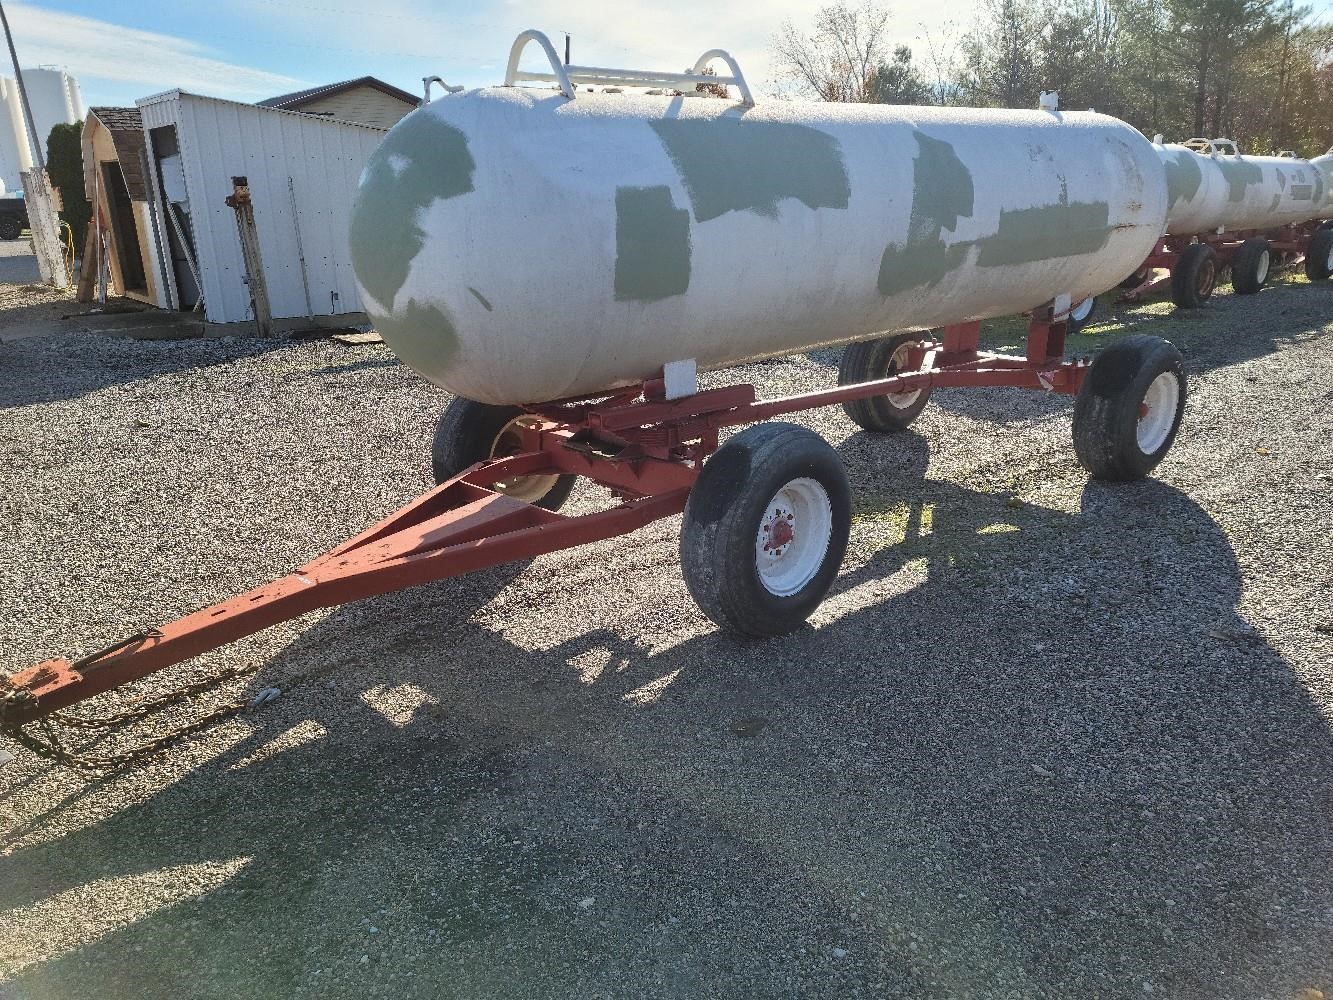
251 49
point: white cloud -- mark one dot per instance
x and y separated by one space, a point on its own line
640 33
92 48
471 46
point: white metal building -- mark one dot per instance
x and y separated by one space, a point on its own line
302 172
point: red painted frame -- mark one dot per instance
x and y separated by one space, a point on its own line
1291 241
646 449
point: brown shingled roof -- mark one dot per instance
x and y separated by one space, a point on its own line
126 128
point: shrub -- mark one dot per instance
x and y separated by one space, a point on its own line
64 165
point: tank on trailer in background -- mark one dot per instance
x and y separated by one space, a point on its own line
1252 214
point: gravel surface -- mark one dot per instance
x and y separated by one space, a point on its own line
1047 738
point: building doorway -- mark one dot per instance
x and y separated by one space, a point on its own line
129 255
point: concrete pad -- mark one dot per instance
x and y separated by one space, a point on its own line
18 264
151 324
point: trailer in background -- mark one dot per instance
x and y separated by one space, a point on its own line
1249 215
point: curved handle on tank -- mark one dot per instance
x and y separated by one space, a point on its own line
737 77
426 81
513 74
1213 147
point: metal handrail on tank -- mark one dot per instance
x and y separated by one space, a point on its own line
569 77
1213 147
426 82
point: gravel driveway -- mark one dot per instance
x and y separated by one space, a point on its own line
1048 738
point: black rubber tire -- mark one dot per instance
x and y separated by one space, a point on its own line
10 228
1075 324
1194 277
1106 413
726 511
1251 266
1319 255
1137 278
466 434
866 362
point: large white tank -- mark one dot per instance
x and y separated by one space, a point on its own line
514 245
1219 190
51 94
15 155
55 98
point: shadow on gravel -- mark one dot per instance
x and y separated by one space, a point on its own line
1059 765
47 369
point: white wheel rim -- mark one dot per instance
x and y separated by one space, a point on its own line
1330 259
1261 272
793 537
1157 414
509 442
1083 310
898 362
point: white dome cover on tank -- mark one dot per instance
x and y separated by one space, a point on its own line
516 246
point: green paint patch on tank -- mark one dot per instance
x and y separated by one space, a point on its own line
942 190
1302 192
422 160
733 165
652 245
1240 174
1184 176
422 336
921 266
1031 234
942 193
485 302
1323 178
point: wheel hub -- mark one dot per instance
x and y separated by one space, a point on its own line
1157 412
793 537
510 442
897 365
780 528
1207 277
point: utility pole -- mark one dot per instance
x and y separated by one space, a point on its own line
42 218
